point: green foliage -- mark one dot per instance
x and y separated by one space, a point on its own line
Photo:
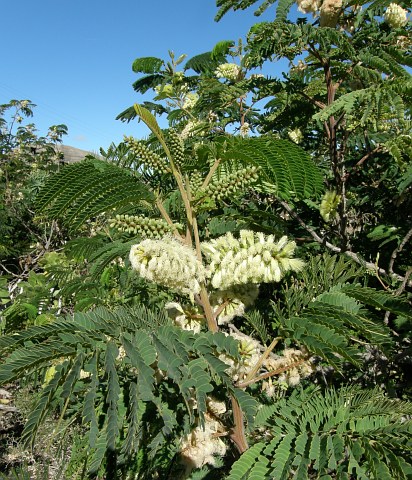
128 365
335 434
141 384
287 170
86 189
149 65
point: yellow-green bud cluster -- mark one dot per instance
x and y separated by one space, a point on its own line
296 135
232 302
395 16
190 100
253 258
146 156
176 146
232 184
329 205
170 263
230 71
146 227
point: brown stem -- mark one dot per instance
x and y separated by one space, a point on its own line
237 434
367 156
212 170
204 296
259 363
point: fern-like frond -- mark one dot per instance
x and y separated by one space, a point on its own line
124 372
86 189
286 169
331 434
147 65
203 63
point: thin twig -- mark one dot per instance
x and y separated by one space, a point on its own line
398 249
354 256
270 374
265 355
166 217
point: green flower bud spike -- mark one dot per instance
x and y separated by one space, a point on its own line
146 156
176 147
146 227
232 184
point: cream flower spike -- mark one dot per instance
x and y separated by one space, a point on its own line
170 263
253 258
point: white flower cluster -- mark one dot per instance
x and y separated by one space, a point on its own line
245 129
233 302
395 16
190 129
308 6
249 352
170 263
187 317
296 135
253 258
190 100
293 375
329 13
230 71
202 444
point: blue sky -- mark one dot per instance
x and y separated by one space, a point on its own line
73 58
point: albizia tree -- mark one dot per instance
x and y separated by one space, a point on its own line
230 219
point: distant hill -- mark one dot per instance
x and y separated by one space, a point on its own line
72 154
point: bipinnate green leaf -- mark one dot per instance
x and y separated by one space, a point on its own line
88 188
330 434
221 49
147 65
286 170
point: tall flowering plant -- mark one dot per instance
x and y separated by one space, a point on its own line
217 280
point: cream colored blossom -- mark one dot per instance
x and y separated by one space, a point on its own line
232 303
188 317
291 358
168 262
214 406
329 13
212 117
189 129
249 350
253 258
308 6
230 71
190 100
202 444
395 16
245 129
